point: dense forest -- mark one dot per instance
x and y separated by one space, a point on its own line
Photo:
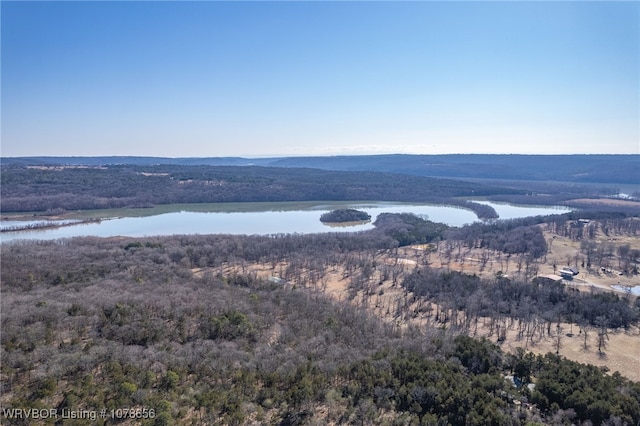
60 189
180 326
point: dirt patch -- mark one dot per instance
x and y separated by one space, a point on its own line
566 252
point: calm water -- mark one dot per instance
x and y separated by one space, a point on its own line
509 211
264 219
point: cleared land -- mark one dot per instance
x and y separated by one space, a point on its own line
385 299
609 202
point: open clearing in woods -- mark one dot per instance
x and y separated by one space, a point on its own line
622 350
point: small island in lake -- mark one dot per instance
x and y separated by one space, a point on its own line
345 215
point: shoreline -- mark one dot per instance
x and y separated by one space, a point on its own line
48 224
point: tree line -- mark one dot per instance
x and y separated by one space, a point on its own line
526 303
32 189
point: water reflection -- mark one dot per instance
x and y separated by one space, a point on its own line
263 222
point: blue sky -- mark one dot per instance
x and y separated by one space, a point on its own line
319 78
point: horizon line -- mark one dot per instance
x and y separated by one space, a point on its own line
313 156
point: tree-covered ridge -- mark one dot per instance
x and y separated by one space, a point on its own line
29 189
344 215
561 168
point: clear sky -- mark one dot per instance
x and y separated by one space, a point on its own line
258 79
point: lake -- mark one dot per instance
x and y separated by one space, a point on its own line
251 218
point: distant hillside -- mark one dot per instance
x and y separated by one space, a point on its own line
611 169
135 161
563 168
53 188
